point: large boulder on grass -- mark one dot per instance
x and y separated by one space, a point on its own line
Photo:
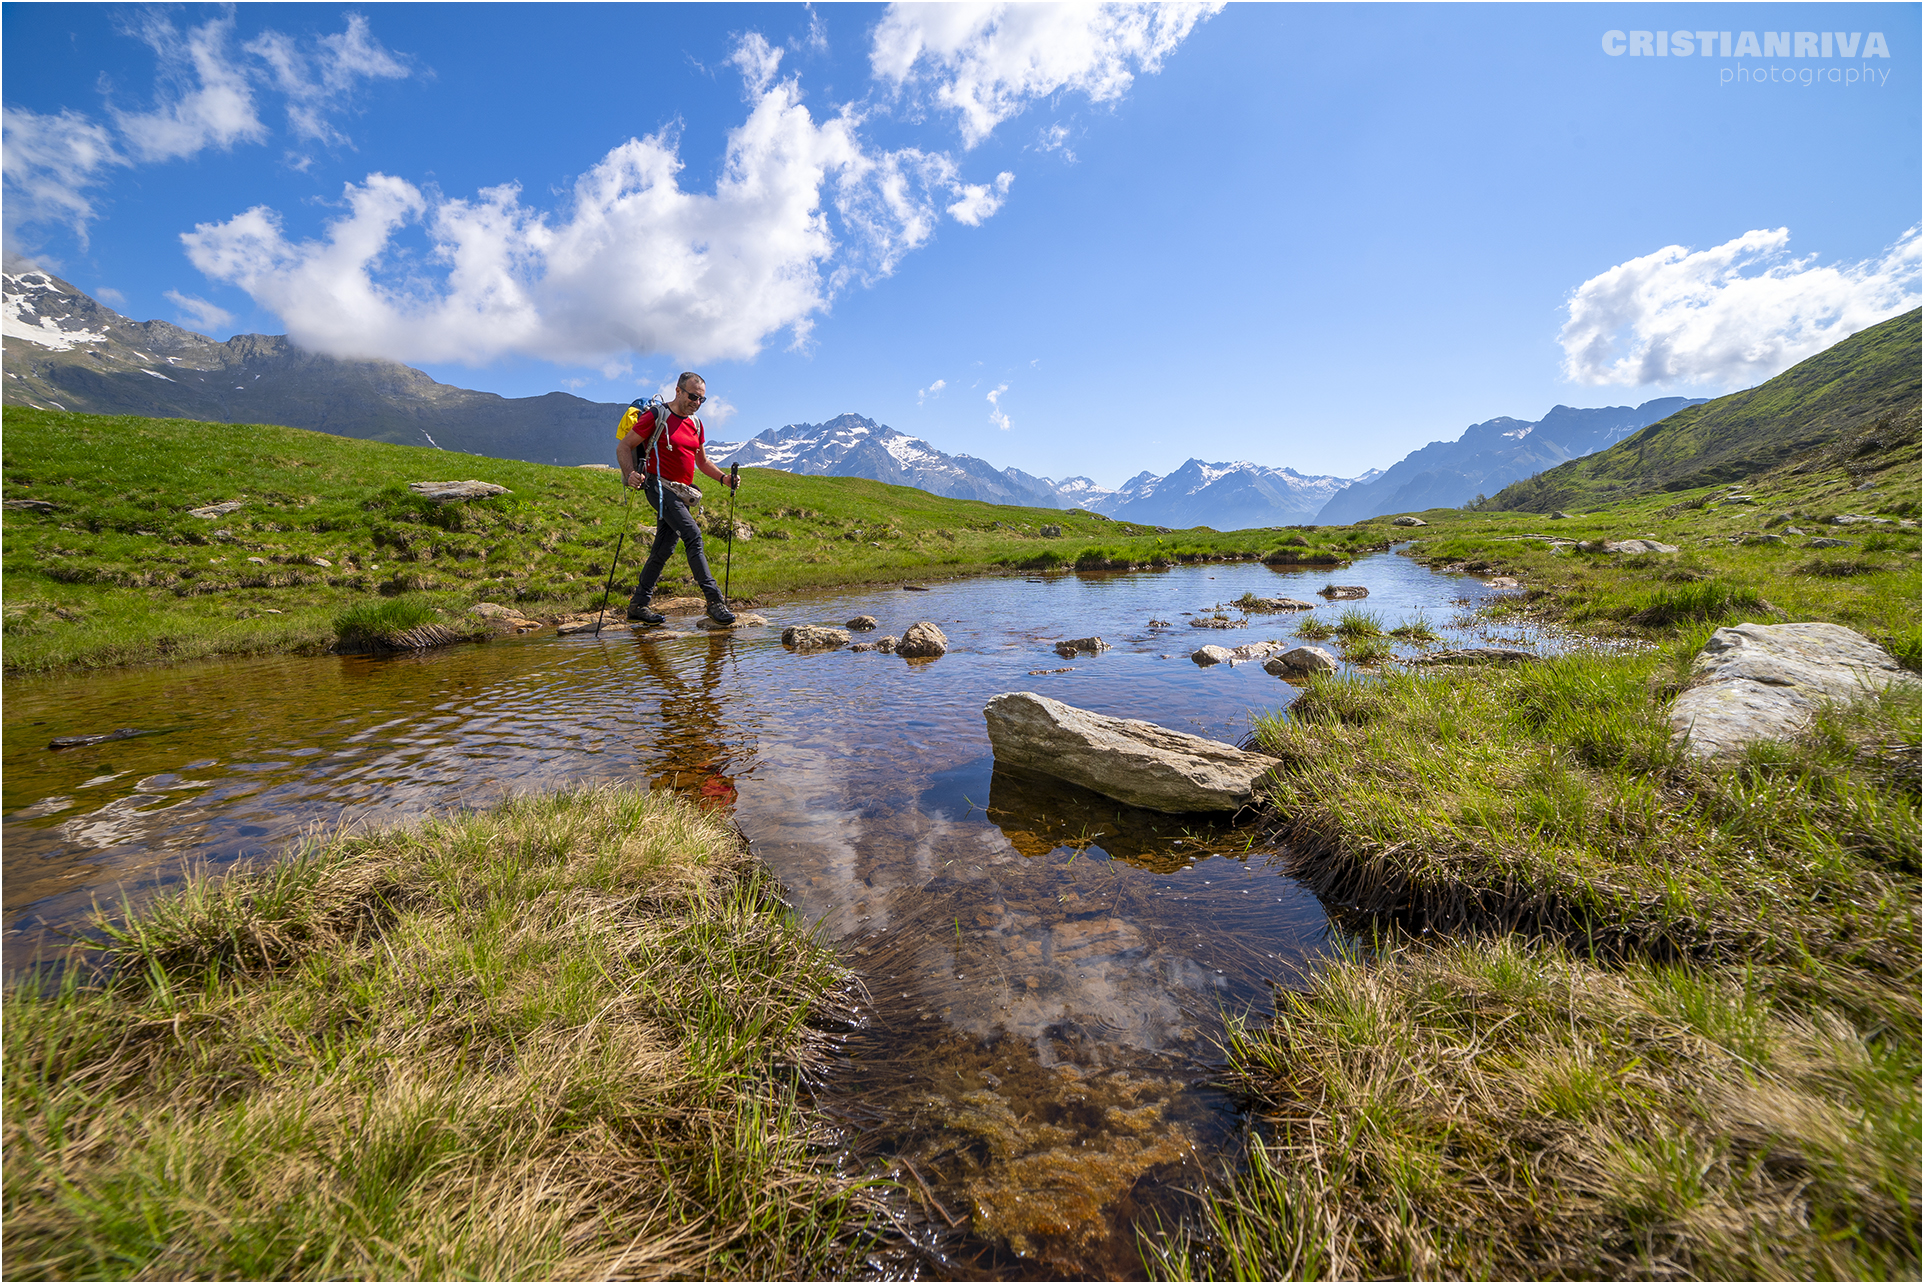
1766 682
922 640
1126 759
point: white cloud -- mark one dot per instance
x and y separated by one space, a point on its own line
632 263
998 416
204 95
199 314
110 296
980 200
320 83
934 390
757 60
49 162
1732 315
987 62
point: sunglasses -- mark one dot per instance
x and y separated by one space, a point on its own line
695 397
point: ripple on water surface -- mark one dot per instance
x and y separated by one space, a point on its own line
1049 969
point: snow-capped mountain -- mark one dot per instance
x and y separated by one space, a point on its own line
1227 496
852 445
1490 456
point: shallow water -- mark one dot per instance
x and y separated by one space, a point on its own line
1048 969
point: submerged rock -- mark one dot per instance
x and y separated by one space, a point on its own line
1336 592
814 637
1766 682
1476 656
1300 661
1069 647
1275 604
1124 758
75 742
922 640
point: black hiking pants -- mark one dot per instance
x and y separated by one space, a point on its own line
673 522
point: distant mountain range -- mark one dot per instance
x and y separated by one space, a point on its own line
65 350
1490 456
1225 496
1858 398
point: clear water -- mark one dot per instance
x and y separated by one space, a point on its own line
1049 970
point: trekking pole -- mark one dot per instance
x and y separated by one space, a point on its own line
616 561
728 562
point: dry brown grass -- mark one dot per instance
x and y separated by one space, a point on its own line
560 1039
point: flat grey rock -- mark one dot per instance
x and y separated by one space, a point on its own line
1766 682
1126 759
814 637
212 511
447 492
1638 546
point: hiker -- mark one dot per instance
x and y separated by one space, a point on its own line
665 473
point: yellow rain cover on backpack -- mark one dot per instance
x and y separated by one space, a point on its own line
630 417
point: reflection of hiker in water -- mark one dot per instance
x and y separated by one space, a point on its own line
692 755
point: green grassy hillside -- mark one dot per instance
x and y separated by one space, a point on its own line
105 565
1858 398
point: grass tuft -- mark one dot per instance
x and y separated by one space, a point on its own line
559 1039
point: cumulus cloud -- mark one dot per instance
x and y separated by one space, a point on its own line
632 263
987 62
757 60
997 415
1732 315
49 162
204 97
199 314
934 390
980 200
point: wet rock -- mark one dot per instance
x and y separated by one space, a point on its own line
1136 762
450 492
1069 647
75 742
1039 673
1638 546
1267 605
742 621
212 511
814 637
922 640
1301 661
1160 624
1407 520
1476 656
862 622
1825 542
1257 650
1765 682
1339 592
1211 655
586 623
1219 622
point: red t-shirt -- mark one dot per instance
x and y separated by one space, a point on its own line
674 456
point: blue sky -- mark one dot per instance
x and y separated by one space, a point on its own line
1087 240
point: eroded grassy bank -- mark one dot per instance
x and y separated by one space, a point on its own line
1627 1014
559 1039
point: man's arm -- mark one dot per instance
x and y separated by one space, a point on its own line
625 457
702 462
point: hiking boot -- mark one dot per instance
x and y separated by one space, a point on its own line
638 610
719 612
